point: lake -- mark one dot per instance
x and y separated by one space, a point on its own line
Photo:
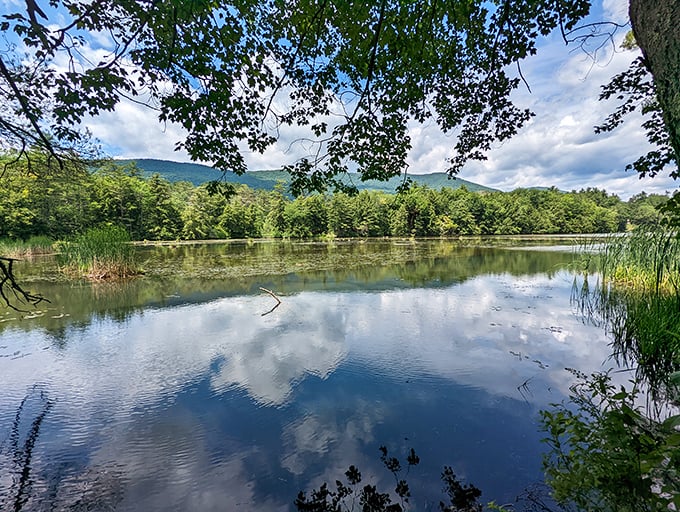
184 390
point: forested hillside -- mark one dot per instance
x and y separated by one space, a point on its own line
61 204
267 180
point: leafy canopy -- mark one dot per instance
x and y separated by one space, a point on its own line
356 74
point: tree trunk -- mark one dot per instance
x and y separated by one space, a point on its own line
656 25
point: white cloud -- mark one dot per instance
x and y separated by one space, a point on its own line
559 147
133 131
615 10
10 4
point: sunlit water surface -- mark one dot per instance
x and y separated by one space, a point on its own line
190 397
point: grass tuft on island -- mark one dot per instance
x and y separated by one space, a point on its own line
99 254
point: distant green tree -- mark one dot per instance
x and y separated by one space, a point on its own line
342 215
372 213
161 217
496 218
644 209
540 215
241 219
59 204
599 197
201 215
461 211
181 192
274 224
17 214
306 217
414 213
53 204
606 220
119 197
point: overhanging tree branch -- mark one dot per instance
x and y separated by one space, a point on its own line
26 109
10 287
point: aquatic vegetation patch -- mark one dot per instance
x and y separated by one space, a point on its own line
26 249
646 260
99 254
637 300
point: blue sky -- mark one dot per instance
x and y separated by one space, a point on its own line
557 148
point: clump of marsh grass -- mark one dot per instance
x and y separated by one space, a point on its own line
100 254
26 249
646 260
637 300
646 334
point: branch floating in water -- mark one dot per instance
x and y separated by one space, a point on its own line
278 301
271 293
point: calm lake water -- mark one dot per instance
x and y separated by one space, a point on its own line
181 390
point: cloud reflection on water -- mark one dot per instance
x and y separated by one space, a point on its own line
486 333
491 334
157 352
305 338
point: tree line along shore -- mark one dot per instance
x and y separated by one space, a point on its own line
64 203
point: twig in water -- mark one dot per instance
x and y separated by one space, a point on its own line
524 389
278 301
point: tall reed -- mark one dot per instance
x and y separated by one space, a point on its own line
20 249
646 260
637 300
100 253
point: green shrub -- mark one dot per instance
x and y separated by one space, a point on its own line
606 454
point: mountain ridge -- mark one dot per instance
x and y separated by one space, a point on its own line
268 179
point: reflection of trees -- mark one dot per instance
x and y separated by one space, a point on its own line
17 456
202 272
11 292
355 494
644 328
470 262
347 495
27 485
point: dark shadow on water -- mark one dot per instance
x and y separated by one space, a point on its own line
35 481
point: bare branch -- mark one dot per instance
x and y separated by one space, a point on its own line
278 301
521 75
9 283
